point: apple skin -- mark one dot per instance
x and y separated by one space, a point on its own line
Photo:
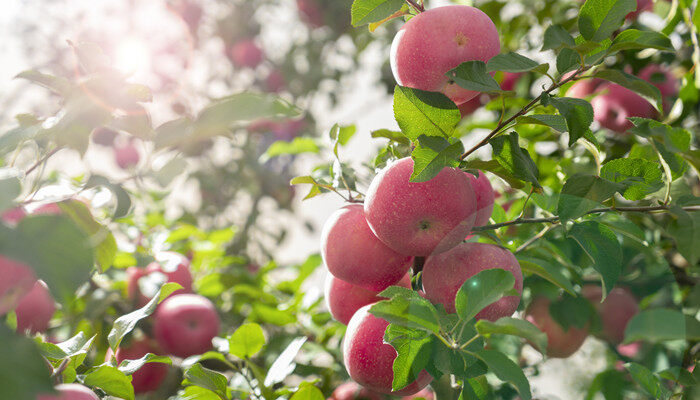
48 209
35 309
560 343
174 266
584 88
468 107
445 273
615 312
288 130
311 13
354 254
185 324
149 377
664 80
245 54
344 299
615 104
642 5
426 394
126 156
13 215
70 391
420 218
485 197
17 280
369 360
438 40
275 82
353 391
510 79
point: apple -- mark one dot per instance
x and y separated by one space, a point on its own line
70 391
311 13
104 136
369 360
435 41
344 299
354 254
445 273
560 343
485 197
126 155
143 283
584 88
245 54
642 5
150 375
468 107
275 82
13 215
48 209
510 79
35 309
185 324
353 391
426 394
664 80
630 350
615 312
420 218
288 130
17 280
615 104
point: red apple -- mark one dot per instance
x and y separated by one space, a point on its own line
151 375
17 280
426 394
126 155
661 77
185 324
354 254
615 104
13 215
445 273
275 82
642 5
438 40
485 197
353 391
245 53
344 299
310 12
48 209
584 88
615 312
70 391
510 79
468 107
560 343
420 218
168 267
369 360
35 309
288 130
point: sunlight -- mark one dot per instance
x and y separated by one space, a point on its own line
133 56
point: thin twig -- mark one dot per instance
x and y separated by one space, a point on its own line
535 238
42 160
418 7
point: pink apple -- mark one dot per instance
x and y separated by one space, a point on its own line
185 324
468 107
485 197
17 280
344 299
168 267
426 394
560 343
245 53
35 309
70 391
126 155
104 136
288 130
48 209
615 312
510 79
630 350
311 12
420 218
353 391
438 40
642 5
369 360
445 273
615 104
354 254
275 82
151 375
662 77
13 215
584 88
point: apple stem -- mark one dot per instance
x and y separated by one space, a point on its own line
418 263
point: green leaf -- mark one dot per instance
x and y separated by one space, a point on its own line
570 311
514 62
567 60
104 244
284 365
514 327
494 167
23 372
424 113
341 135
246 341
307 391
506 370
656 325
672 143
632 83
10 187
598 19
432 155
394 136
75 348
515 159
602 247
476 389
610 383
556 37
582 193
640 177
407 308
556 122
122 199
685 230
208 379
633 39
80 116
546 270
297 146
482 289
578 114
126 323
56 84
113 381
472 75
367 11
648 381
129 367
413 348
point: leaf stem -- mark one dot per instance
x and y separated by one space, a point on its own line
42 160
418 7
468 342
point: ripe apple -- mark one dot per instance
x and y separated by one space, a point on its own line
369 360
353 391
426 394
126 155
642 5
468 107
35 309
48 209
70 391
615 104
560 343
17 280
275 82
615 312
354 254
13 215
245 54
664 80
438 40
168 267
104 136
485 197
150 375
510 79
445 273
420 218
344 299
185 324
584 88
311 13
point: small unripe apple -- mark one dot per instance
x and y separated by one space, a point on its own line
615 312
353 391
13 215
150 375
70 391
485 197
560 343
615 104
126 155
104 136
420 218
245 54
344 299
35 309
445 273
354 254
185 324
438 40
369 360
17 280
